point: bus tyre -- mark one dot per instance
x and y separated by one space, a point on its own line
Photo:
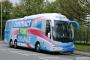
37 47
11 43
15 44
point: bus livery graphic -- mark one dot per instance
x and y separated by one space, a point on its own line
49 31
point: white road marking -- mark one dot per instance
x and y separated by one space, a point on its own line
54 58
5 49
24 53
16 52
82 58
41 56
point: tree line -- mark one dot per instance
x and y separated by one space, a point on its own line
73 9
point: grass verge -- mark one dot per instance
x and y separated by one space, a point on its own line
83 47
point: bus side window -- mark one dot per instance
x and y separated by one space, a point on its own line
48 30
37 24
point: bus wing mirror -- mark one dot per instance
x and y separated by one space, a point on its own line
76 24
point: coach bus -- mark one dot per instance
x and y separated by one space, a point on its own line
52 32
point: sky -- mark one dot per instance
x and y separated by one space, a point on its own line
17 1
14 1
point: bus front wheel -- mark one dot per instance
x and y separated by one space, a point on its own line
15 44
37 47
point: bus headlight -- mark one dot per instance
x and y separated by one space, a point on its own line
73 46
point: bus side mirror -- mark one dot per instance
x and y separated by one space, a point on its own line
76 24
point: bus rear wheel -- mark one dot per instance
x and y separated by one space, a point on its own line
37 47
11 43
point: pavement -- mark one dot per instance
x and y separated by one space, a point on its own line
1 42
7 53
82 53
76 52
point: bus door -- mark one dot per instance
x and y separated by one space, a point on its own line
48 28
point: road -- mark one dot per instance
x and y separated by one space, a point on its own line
27 54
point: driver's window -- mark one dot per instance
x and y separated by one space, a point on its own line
48 30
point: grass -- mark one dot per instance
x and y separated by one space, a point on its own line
83 47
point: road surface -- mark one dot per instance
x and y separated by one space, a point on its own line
27 54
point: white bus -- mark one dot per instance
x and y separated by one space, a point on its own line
49 31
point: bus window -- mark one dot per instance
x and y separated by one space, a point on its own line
48 30
62 31
37 24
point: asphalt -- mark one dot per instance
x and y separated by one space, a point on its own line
7 53
82 53
1 42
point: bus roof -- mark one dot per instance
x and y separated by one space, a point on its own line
49 16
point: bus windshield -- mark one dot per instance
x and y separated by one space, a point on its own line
62 31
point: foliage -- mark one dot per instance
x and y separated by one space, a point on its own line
73 9
6 10
17 12
32 6
82 47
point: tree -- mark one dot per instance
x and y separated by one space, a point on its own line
73 9
50 8
6 10
26 8
17 12
32 6
85 4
